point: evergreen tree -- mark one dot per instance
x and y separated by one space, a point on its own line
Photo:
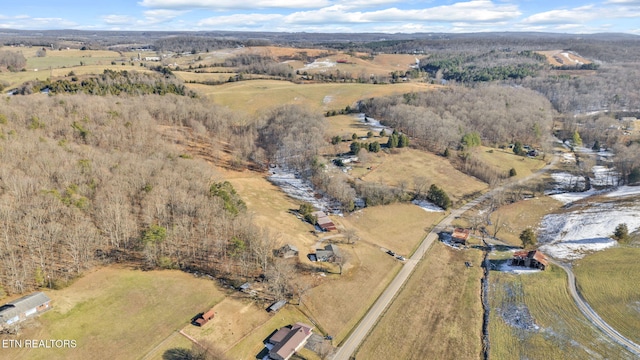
403 141
622 233
577 140
438 197
528 238
354 147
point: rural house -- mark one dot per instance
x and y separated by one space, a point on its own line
24 307
532 259
327 254
287 251
286 341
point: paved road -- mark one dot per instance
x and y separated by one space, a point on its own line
593 316
367 323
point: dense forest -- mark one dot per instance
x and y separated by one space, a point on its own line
88 180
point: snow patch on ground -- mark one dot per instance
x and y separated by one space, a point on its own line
604 176
506 267
427 206
298 188
569 197
327 99
574 234
324 64
374 125
624 191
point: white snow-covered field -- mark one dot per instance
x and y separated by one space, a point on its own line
427 206
319 65
574 234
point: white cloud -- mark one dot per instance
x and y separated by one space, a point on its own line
233 4
471 11
118 19
162 15
240 20
573 16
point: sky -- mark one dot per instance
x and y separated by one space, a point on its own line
326 16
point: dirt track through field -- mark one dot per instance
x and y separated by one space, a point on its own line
592 316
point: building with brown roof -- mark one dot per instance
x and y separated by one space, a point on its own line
532 259
460 236
323 221
286 341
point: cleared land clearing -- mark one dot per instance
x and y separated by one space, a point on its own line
437 315
406 164
534 317
562 57
257 95
507 160
399 227
271 208
235 318
340 301
606 281
120 312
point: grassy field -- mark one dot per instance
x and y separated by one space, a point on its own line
438 314
504 160
116 311
606 280
338 303
203 77
257 95
522 214
406 164
399 227
542 300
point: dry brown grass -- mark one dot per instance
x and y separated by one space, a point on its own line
120 312
399 227
520 215
437 315
504 160
555 58
257 95
339 302
406 164
563 332
606 280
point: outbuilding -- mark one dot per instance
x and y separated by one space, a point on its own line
23 308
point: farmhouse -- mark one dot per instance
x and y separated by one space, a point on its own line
287 251
323 221
286 341
24 307
203 318
460 236
327 254
532 259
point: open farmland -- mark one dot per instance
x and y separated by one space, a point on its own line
121 312
406 164
505 160
605 280
534 317
440 304
257 95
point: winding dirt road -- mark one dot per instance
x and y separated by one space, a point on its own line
593 316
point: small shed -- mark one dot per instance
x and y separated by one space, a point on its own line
23 308
460 236
276 306
287 251
203 318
